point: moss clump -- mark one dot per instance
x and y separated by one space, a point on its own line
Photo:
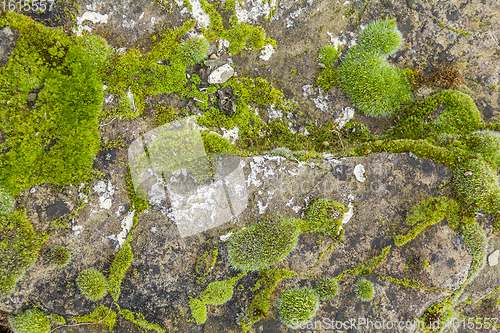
486 143
365 290
264 244
374 86
328 54
198 310
325 218
19 248
7 202
476 185
327 288
97 49
92 283
30 321
139 321
297 306
217 293
117 271
194 50
57 319
54 137
59 256
102 315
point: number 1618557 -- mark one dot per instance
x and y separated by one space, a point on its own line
26 6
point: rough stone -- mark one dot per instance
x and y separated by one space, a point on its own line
221 74
8 40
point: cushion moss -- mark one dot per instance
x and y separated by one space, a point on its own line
217 293
30 321
92 284
297 306
365 290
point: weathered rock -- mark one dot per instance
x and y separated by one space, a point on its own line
225 101
221 74
8 40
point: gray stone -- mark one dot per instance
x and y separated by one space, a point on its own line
8 40
221 74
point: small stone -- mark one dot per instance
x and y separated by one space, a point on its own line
359 171
325 143
221 74
214 63
468 173
31 97
493 258
214 56
8 40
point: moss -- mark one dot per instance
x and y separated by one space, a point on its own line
194 50
30 321
101 315
205 264
59 256
139 321
297 306
476 185
137 202
198 310
364 290
7 202
327 288
19 248
414 284
217 293
118 268
57 320
263 244
374 86
327 78
427 213
324 217
486 143
55 138
92 284
97 49
328 54
458 31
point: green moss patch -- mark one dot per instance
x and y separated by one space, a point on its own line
217 293
297 306
101 315
30 321
59 256
53 138
92 284
365 290
327 288
19 248
264 244
117 271
324 217
198 310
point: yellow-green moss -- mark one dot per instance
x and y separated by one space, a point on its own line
117 271
198 310
59 256
30 321
101 315
139 320
92 284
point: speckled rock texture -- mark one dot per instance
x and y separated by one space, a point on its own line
163 276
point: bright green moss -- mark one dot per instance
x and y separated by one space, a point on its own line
92 284
365 290
328 54
55 138
102 315
381 37
56 319
374 86
460 117
476 185
59 256
7 202
137 203
30 321
19 248
427 213
327 288
97 49
297 306
325 218
139 320
117 271
198 310
264 244
194 50
217 293
486 143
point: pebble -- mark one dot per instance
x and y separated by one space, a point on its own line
493 258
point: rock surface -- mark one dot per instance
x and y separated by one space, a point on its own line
7 44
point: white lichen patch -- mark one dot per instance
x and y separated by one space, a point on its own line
359 173
345 117
199 15
260 166
106 192
266 52
274 113
348 215
262 207
307 90
130 97
127 223
120 210
296 209
226 236
128 24
330 158
91 16
321 101
231 134
254 9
